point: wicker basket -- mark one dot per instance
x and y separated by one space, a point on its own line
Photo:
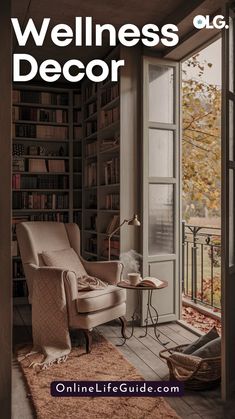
207 374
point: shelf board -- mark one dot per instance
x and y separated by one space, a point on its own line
106 235
77 173
40 173
110 127
57 124
77 158
91 136
41 140
110 149
110 104
77 190
30 156
91 209
40 105
77 209
29 210
40 190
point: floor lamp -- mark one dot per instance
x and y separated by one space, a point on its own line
131 222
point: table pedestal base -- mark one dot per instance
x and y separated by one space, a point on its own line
153 321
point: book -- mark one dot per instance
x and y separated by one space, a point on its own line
150 281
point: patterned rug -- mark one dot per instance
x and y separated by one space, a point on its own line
104 362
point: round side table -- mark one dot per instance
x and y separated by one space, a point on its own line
150 320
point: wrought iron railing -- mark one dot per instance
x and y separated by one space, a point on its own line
202 264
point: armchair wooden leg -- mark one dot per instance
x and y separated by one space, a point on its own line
123 325
88 338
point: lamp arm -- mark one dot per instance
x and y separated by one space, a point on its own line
112 234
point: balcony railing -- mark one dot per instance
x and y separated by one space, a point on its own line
202 265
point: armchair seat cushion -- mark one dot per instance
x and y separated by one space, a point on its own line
89 301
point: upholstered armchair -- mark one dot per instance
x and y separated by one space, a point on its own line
86 309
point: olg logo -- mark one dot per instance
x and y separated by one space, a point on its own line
201 22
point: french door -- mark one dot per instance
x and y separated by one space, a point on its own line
228 205
161 183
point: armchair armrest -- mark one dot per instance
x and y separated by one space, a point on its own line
49 273
108 271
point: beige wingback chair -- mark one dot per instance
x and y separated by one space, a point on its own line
86 309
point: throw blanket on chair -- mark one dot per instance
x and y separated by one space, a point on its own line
49 314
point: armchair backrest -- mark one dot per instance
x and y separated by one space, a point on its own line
34 237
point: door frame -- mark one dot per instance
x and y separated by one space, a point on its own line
175 180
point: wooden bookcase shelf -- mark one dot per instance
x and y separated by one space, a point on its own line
94 133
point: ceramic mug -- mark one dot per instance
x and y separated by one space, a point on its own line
134 278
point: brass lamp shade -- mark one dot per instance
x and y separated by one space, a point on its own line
134 221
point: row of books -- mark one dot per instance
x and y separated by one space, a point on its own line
35 200
77 116
17 269
77 99
77 218
40 115
112 201
39 182
21 164
91 128
20 289
112 171
44 98
109 94
39 131
90 174
91 149
90 91
91 108
109 116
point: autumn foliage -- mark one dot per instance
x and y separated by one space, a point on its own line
201 149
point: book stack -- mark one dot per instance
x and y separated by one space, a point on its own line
114 248
109 116
112 171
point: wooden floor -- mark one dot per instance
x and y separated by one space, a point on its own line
143 353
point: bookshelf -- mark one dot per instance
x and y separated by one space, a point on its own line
46 128
109 190
75 159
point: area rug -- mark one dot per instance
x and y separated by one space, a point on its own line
104 362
